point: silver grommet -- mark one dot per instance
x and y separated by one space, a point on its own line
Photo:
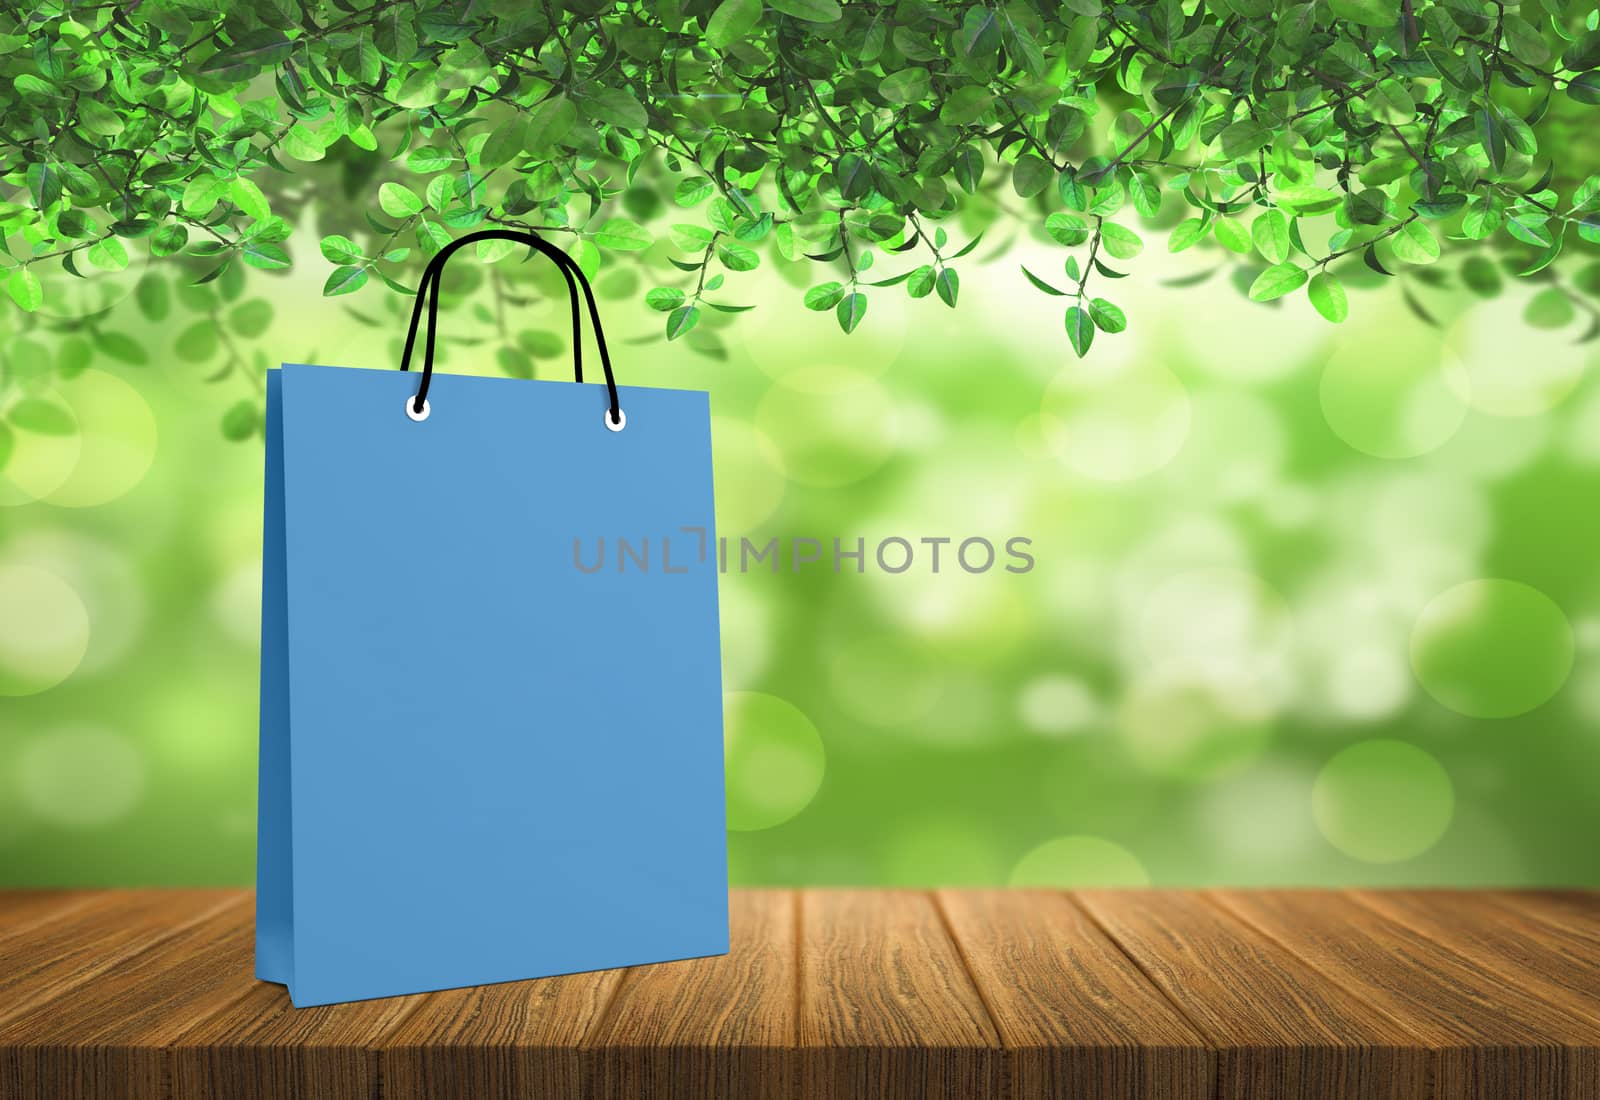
413 413
618 424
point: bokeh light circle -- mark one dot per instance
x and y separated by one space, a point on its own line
774 760
44 629
832 425
80 776
1492 648
1398 397
1184 726
1115 422
1079 861
118 440
105 578
1057 706
1515 370
748 473
1383 801
40 462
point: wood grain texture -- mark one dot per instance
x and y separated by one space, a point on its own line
1077 1017
107 1038
1281 1029
708 1029
887 1009
1556 966
518 1039
90 936
260 1047
850 995
1491 1037
20 910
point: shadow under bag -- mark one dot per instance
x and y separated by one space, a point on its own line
482 757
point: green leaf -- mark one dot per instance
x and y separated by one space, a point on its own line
344 280
1066 229
1030 175
197 342
1041 284
398 200
394 34
731 22
1415 244
1186 234
108 254
664 298
340 250
550 123
1327 295
248 197
813 11
41 417
428 159
737 257
1270 232
948 285
99 119
618 108
824 296
906 85
1119 242
1368 13
979 36
622 235
1481 276
1585 88
1232 236
920 283
504 144
1530 229
692 191
169 240
1107 317
202 193
251 319
851 308
681 321
155 301
1080 330
25 289
265 255
1276 281
240 421
1243 138
1549 309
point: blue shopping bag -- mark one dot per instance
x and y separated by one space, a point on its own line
491 744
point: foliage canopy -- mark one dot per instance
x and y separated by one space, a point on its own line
1311 139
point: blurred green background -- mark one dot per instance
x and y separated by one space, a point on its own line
1311 604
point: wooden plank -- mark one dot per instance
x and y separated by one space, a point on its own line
1077 1017
1282 1031
1574 914
105 1039
93 934
1491 1037
21 910
887 1009
1554 965
708 1029
263 1048
496 1042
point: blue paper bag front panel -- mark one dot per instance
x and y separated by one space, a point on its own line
484 758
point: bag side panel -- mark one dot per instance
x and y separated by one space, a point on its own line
274 850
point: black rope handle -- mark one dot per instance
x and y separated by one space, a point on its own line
429 287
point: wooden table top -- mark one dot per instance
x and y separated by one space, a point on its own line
849 995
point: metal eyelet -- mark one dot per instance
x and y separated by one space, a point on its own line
411 411
618 424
